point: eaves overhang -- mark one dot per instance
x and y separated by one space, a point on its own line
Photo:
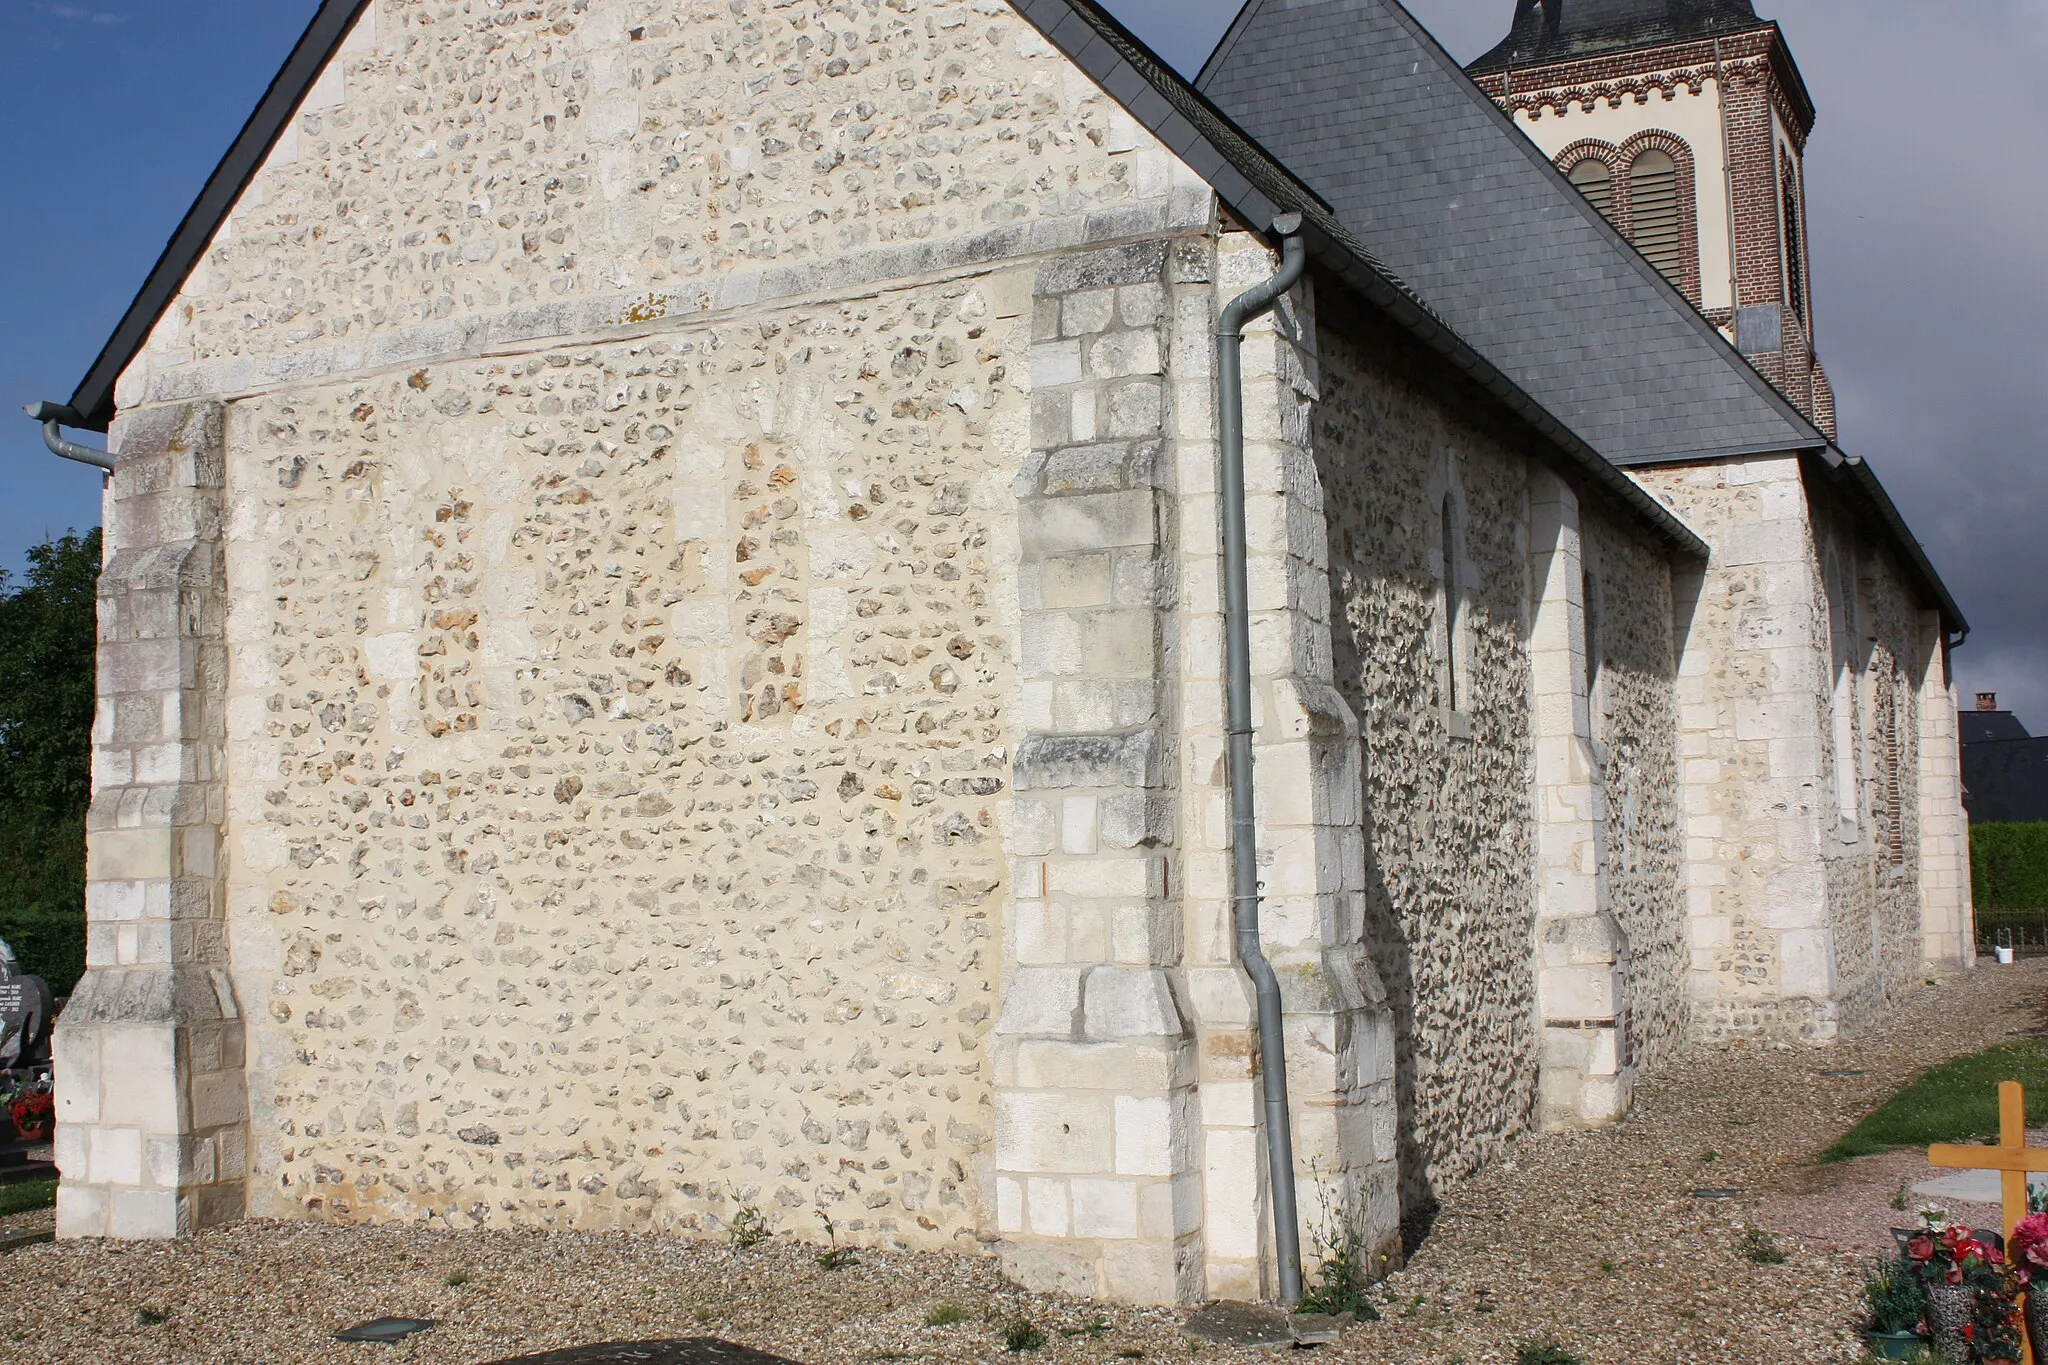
1860 487
1859 484
92 402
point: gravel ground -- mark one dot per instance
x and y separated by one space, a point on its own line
1594 1240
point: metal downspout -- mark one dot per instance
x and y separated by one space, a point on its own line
1243 827
55 415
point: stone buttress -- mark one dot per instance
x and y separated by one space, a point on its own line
1095 1150
152 1102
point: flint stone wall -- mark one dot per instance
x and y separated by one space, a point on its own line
1635 731
1451 898
622 558
1803 872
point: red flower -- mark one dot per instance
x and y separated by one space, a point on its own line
1920 1248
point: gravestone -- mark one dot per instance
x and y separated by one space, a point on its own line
25 1009
690 1351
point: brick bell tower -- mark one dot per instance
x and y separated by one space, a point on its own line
1685 122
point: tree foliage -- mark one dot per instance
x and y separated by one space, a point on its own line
48 632
2009 866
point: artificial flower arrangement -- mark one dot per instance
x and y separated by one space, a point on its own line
1970 1292
1949 1253
2029 1249
30 1105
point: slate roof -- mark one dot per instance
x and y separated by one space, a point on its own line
1546 31
1364 105
2006 781
1983 727
1360 102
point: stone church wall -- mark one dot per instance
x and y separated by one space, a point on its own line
1873 860
1449 897
624 403
619 772
1802 785
1635 727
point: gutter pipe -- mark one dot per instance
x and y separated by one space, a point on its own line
1243 827
56 415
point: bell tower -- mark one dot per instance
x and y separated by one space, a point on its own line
1685 123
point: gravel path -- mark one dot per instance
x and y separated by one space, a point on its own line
1595 1240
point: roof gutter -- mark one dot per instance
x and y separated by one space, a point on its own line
54 417
1864 488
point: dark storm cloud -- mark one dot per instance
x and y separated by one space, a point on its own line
1927 179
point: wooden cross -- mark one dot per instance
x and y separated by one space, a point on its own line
2011 1158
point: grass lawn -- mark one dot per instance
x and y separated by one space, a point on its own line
1954 1102
34 1194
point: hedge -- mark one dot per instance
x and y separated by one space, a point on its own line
2009 866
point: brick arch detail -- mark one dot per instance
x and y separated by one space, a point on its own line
1618 160
1688 280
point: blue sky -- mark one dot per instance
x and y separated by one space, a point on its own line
1930 285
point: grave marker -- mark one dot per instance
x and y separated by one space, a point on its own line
2011 1158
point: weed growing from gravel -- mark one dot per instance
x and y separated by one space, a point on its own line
1606 1266
702 1314
1546 1353
836 1257
1760 1248
1343 1277
749 1227
945 1315
152 1317
1094 1331
456 1279
1021 1335
1130 1353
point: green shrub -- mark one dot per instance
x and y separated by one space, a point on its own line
1896 1299
2009 866
47 640
1021 1335
945 1315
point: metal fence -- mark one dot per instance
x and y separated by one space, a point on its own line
2025 932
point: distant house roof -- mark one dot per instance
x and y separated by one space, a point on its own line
1989 727
1546 31
1360 102
2006 781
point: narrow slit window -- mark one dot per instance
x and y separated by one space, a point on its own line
1453 601
1589 598
1656 223
1795 258
1591 178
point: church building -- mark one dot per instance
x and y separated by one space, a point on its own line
682 591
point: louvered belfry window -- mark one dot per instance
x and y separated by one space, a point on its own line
1655 224
1596 182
